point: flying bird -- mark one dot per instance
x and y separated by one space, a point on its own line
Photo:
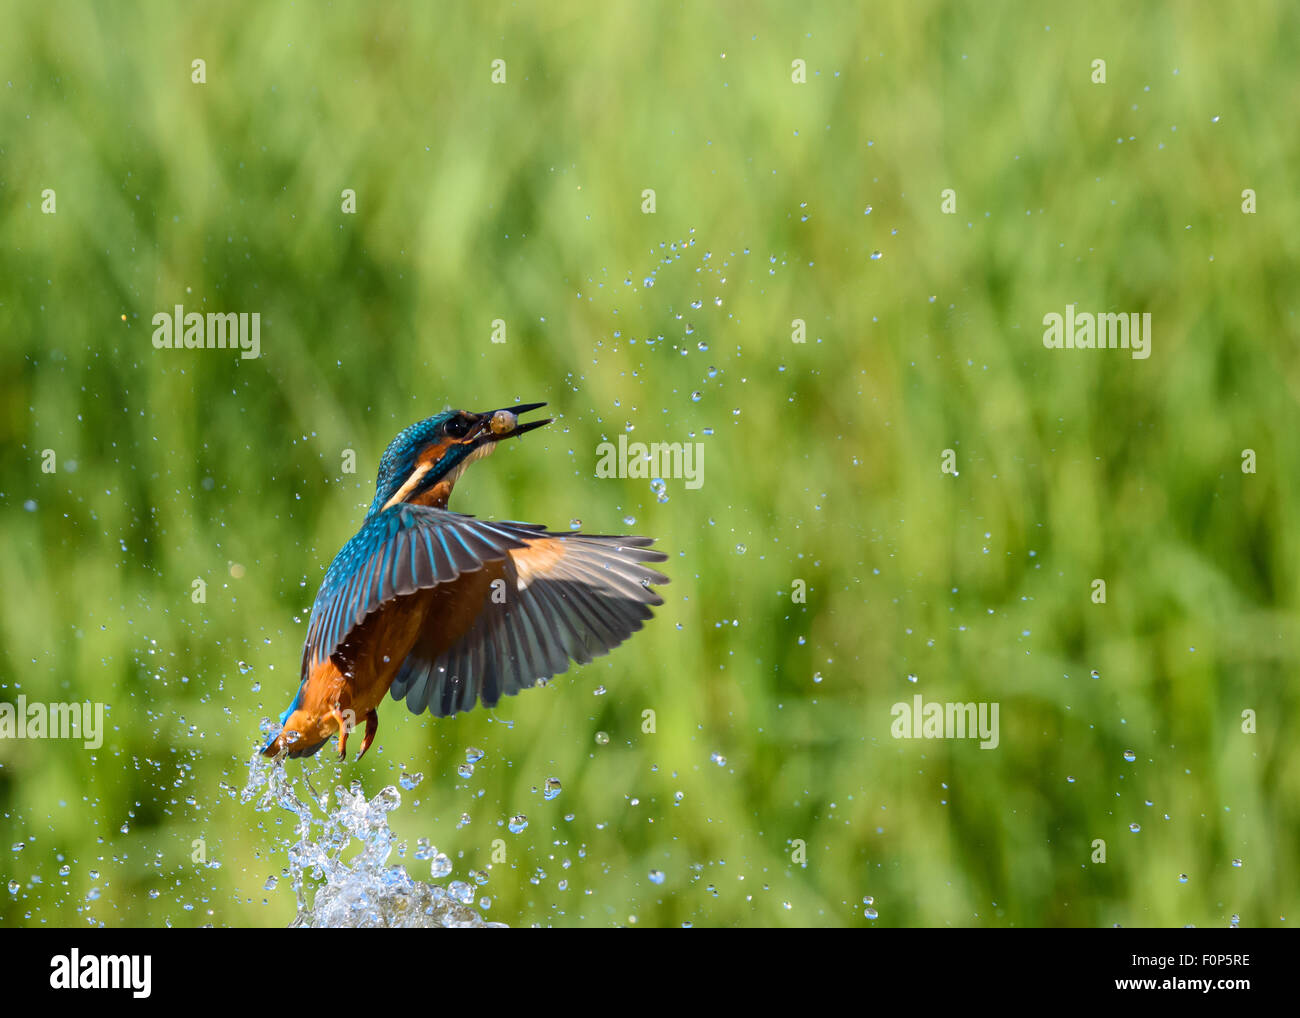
444 610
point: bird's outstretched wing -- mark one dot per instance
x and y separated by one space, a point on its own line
397 552
566 597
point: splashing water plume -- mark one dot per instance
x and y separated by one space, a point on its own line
364 892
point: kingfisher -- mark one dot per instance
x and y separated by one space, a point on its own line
445 610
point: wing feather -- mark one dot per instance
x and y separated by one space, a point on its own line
569 597
395 553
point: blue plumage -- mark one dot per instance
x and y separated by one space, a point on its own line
565 596
399 459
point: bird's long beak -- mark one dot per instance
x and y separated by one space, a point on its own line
498 424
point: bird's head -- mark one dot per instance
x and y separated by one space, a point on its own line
301 732
423 463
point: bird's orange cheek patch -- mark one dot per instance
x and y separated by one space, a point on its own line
433 453
423 464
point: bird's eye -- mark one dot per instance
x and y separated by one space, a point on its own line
458 427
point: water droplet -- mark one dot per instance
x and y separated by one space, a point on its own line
517 823
1135 828
409 781
1129 755
656 876
552 789
718 759
473 754
1236 863
740 549
876 256
461 892
1182 878
367 890
575 524
696 396
871 913
465 770
602 739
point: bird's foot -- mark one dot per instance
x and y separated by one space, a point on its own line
372 726
345 727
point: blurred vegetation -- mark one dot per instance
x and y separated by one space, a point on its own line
522 202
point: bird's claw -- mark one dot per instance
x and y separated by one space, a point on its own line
372 726
345 727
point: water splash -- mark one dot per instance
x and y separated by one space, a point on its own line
365 891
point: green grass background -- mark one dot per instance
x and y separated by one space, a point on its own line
522 202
